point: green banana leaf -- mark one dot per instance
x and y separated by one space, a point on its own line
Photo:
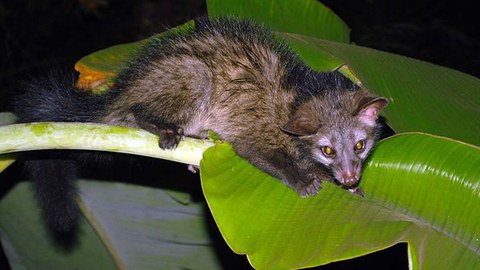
28 244
307 17
125 227
420 189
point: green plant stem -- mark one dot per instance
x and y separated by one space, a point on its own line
89 136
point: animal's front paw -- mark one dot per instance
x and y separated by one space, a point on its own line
311 188
169 137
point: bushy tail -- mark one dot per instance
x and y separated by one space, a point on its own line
54 99
56 191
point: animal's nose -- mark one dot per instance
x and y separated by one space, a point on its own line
349 178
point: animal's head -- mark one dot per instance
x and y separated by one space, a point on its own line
340 129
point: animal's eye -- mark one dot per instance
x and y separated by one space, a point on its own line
328 151
360 145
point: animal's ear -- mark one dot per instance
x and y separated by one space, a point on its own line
369 108
302 123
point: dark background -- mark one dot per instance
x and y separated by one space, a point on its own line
36 35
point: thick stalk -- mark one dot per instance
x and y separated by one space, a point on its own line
88 136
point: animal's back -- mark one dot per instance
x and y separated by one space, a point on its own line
223 75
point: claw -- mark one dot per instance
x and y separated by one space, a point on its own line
357 191
169 138
311 189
